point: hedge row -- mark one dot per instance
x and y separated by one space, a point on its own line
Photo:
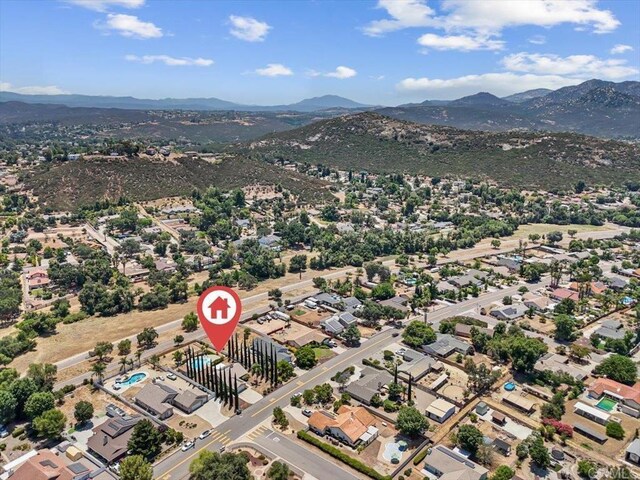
340 455
420 456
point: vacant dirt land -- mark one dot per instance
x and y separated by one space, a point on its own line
542 229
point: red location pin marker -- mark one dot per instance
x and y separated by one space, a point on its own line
219 310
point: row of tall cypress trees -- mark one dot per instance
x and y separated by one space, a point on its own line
262 353
222 385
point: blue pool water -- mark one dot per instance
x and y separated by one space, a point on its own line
509 386
200 362
394 450
135 378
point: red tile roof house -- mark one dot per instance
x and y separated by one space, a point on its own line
605 387
562 293
46 465
352 425
37 279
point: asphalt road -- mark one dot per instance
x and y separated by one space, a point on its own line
176 466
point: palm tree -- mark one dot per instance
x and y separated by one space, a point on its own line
124 361
138 354
178 356
97 370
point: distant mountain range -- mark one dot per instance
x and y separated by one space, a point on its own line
130 103
594 107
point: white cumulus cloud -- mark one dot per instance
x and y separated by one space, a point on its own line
342 72
404 14
171 61
620 48
31 90
463 43
578 66
248 28
500 84
487 18
104 5
274 70
130 26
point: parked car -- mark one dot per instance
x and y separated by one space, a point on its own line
204 434
306 412
171 376
4 433
222 449
395 334
187 445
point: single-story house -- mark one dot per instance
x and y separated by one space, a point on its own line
465 281
445 345
632 453
398 302
189 401
611 329
509 312
560 294
443 462
440 410
605 387
46 465
110 439
557 363
539 303
515 399
464 330
353 426
266 345
371 381
501 446
157 399
592 413
419 367
332 326
329 300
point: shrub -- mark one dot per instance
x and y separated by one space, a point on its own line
343 457
420 456
561 428
615 430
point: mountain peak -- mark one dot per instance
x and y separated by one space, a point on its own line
480 98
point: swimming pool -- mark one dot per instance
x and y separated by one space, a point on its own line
394 450
607 404
200 362
135 378
509 386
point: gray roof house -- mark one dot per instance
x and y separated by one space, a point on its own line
282 353
612 329
557 363
332 326
509 312
333 301
510 263
189 401
270 241
370 382
632 453
110 439
464 281
444 463
445 345
156 399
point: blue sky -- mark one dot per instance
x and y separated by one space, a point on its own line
269 52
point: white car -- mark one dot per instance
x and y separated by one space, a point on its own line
171 376
204 434
187 445
306 412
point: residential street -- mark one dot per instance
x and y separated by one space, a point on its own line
176 466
